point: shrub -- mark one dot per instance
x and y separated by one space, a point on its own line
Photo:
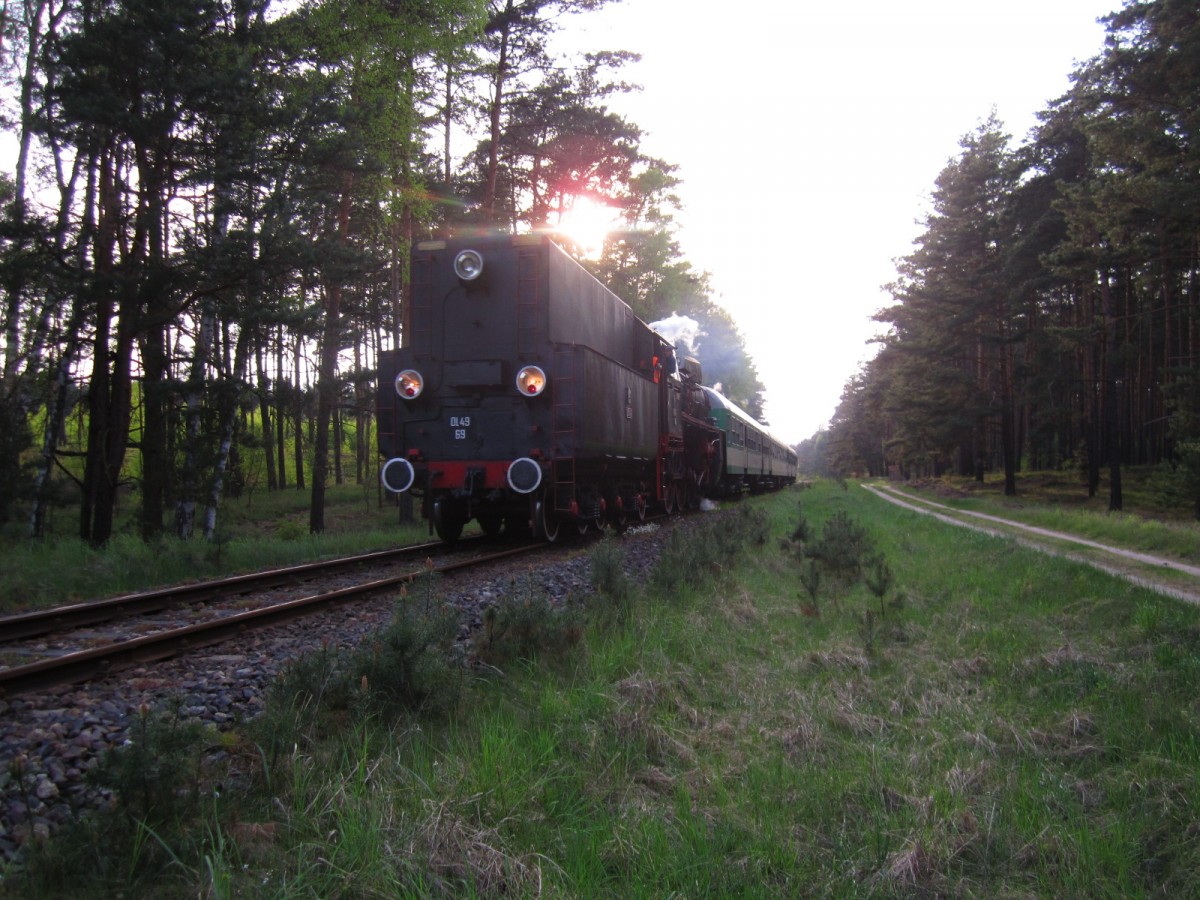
311 682
408 669
609 578
525 625
810 577
155 773
685 560
879 578
291 530
691 556
747 526
156 780
843 545
801 533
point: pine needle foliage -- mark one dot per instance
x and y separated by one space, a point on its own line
408 669
609 579
879 579
697 555
524 625
843 546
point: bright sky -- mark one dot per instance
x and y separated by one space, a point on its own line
809 135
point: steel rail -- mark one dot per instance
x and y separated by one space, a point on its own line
22 626
87 664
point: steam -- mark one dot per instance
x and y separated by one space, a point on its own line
682 331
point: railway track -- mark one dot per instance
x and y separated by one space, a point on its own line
57 735
59 646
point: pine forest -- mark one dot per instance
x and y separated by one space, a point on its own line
205 228
1048 317
204 238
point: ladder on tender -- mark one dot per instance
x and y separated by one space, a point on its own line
563 385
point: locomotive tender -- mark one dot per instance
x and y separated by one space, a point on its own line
527 393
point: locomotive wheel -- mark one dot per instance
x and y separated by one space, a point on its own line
669 499
639 506
446 521
593 518
617 513
545 523
490 521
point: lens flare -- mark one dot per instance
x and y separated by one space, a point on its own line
586 223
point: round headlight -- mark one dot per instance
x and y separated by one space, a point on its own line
468 265
409 384
397 475
531 381
524 475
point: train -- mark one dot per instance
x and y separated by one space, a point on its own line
527 395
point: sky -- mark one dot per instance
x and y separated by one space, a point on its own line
809 135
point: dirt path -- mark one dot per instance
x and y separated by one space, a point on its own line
1131 565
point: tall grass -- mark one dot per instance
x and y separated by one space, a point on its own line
1015 727
1048 502
62 569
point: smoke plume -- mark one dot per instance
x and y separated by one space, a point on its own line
682 331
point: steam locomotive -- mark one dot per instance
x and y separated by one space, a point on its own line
529 395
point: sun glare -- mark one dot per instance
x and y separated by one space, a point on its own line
586 224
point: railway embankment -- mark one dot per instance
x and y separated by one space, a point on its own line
859 700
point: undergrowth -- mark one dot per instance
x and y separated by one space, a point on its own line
525 625
944 714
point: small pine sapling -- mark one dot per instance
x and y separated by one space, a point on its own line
879 578
801 532
843 545
810 577
868 632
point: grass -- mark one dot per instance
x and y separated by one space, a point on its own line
1000 725
272 530
1056 502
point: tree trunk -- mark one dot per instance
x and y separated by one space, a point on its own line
337 443
360 414
193 398
155 462
264 411
1111 429
231 393
1008 426
110 391
488 202
56 408
298 409
280 412
110 409
326 390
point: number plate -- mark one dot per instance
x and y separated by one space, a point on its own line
459 425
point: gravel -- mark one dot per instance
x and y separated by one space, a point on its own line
49 740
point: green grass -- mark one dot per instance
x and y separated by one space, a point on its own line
1003 725
271 529
1050 501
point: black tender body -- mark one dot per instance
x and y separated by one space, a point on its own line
617 427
